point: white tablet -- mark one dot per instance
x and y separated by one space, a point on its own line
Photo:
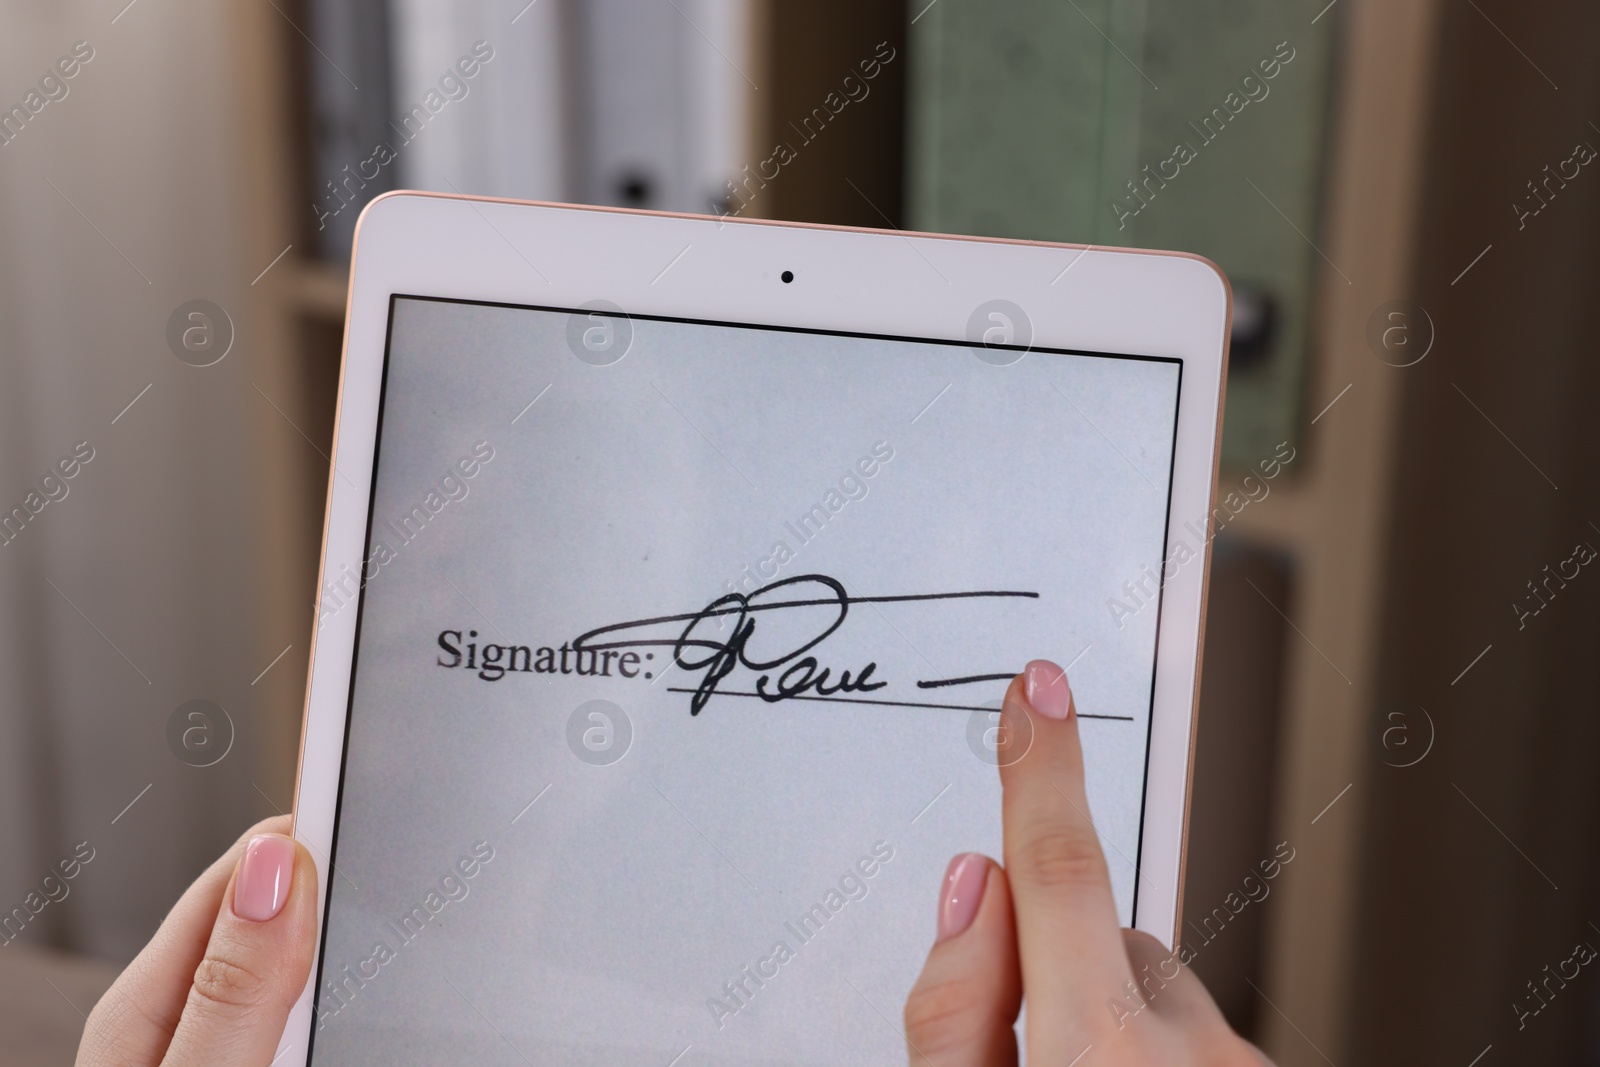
674 570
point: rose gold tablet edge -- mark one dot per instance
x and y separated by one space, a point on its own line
327 510
891 232
1216 448
1205 600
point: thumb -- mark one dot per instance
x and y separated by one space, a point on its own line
256 963
962 1009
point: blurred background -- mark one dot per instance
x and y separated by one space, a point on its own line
1401 676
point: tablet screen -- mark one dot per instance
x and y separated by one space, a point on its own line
679 656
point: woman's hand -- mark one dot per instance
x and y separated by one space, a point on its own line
216 983
1045 926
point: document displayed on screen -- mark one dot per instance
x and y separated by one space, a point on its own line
680 653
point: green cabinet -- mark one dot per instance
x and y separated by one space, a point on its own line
1196 125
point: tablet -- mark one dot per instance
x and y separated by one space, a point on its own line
674 570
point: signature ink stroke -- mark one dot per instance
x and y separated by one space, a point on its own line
805 610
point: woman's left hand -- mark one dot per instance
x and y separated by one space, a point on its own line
215 984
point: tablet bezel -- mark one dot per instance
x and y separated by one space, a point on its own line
1116 301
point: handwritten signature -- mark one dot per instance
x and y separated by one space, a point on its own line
810 607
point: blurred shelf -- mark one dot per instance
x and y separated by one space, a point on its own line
315 288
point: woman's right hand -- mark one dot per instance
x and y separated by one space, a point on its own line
1045 926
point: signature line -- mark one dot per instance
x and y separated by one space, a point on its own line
884 703
940 683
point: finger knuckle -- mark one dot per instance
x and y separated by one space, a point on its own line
1059 858
945 1015
225 982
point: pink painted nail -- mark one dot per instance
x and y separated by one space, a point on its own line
963 892
1047 689
265 875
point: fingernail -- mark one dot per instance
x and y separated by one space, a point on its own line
1047 689
963 892
265 874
